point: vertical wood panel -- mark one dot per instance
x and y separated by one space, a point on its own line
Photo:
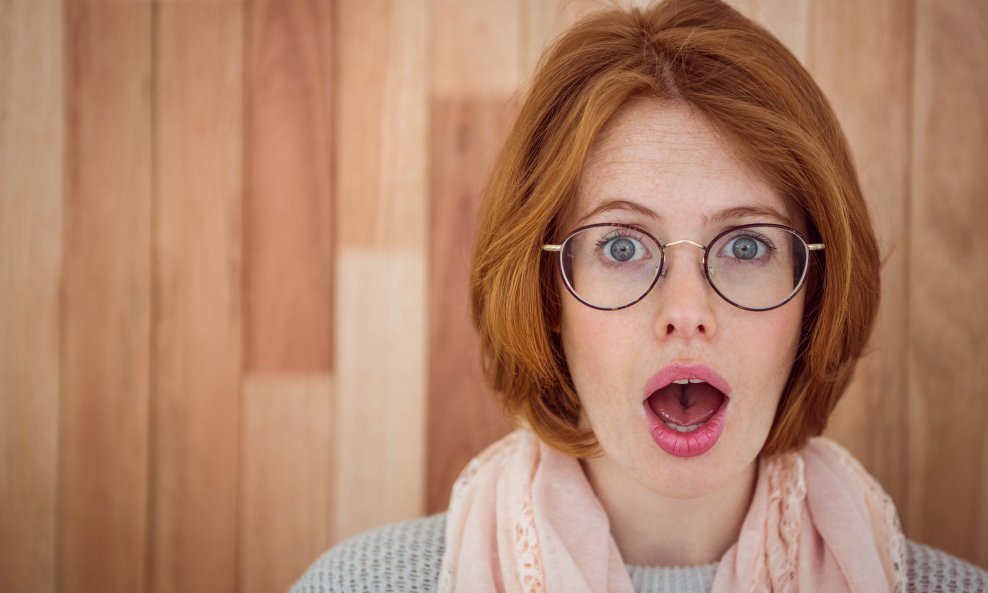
285 510
948 350
198 326
106 340
286 494
381 212
289 234
31 173
789 20
542 21
475 61
861 60
463 416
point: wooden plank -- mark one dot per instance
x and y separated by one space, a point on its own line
289 224
475 60
542 21
789 20
476 47
861 61
287 478
107 315
381 116
381 208
31 188
948 505
463 415
197 282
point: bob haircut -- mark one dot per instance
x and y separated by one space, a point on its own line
756 94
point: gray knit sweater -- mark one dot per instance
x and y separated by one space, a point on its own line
405 558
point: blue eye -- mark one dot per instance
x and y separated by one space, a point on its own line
621 248
747 246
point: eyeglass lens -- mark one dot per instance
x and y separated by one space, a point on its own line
756 267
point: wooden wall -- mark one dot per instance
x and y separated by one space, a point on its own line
234 238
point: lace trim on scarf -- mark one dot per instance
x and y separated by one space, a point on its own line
896 550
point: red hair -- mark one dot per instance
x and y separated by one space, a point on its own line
750 88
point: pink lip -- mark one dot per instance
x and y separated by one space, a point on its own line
701 440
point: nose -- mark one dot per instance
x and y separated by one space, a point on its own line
685 297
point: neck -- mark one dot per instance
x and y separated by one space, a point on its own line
655 530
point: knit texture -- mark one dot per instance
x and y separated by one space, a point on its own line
405 558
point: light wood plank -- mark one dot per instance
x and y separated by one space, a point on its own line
381 117
861 61
107 274
380 426
381 208
948 505
289 223
31 174
286 496
542 21
198 316
789 20
476 46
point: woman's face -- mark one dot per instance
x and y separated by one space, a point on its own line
672 175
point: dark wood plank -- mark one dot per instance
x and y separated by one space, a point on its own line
32 165
198 333
289 229
463 415
107 317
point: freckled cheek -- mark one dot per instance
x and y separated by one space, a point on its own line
765 350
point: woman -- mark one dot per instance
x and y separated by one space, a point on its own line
674 277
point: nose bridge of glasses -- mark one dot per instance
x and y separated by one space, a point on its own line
702 248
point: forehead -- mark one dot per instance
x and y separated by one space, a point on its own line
669 159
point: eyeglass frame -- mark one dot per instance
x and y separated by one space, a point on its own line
810 247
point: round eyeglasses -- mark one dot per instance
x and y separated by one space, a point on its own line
756 267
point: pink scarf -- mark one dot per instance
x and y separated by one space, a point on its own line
523 518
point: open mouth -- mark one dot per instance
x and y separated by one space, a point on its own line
685 408
686 405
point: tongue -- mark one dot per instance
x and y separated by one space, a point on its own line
686 405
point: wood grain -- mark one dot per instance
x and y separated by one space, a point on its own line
791 21
948 350
198 286
381 207
286 494
32 141
289 231
475 47
463 416
380 424
107 318
475 61
543 21
381 123
861 59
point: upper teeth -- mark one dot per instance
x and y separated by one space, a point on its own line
685 381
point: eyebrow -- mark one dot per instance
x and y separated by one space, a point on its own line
726 214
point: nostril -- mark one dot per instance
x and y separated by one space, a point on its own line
671 328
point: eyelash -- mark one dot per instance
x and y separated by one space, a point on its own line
749 233
622 232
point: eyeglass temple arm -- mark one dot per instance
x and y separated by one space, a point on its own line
552 248
814 246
